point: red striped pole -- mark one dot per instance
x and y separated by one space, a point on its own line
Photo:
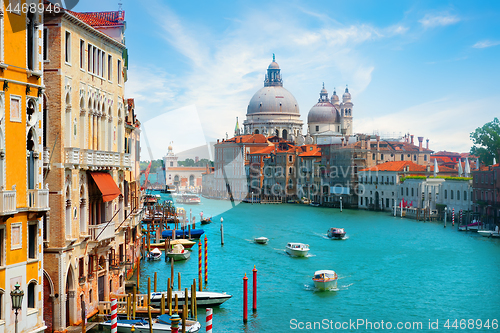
199 265
206 260
453 217
209 320
460 217
114 312
254 308
245 298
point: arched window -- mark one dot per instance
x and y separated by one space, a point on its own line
458 195
30 146
256 131
31 295
465 195
402 157
285 134
446 194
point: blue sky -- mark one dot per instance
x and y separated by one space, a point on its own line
430 68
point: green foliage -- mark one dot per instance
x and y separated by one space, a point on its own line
486 140
191 163
412 177
464 179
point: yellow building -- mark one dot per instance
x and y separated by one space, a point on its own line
23 193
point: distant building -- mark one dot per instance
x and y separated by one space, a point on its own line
486 194
181 176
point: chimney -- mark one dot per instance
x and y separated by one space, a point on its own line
378 142
346 140
342 140
217 140
368 143
420 141
412 139
427 146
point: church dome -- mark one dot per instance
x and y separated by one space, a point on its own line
273 99
323 112
335 98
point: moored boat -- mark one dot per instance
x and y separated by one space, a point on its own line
474 226
261 240
203 298
314 204
162 324
195 233
188 199
178 253
490 233
297 249
184 242
325 280
336 233
154 254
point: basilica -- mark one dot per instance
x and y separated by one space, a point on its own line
274 111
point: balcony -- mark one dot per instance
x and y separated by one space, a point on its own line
96 158
126 161
72 156
38 200
102 231
8 202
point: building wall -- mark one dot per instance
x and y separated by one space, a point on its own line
22 204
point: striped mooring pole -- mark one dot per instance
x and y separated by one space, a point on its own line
114 313
460 217
209 320
206 260
453 217
200 259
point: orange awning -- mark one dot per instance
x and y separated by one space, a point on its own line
106 185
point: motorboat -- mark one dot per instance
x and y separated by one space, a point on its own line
195 233
178 253
203 298
314 204
162 324
154 254
325 280
184 242
490 233
261 240
336 233
297 249
474 226
188 199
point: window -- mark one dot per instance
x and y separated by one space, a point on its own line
401 191
16 241
317 128
32 240
361 201
82 54
2 247
81 268
465 195
458 195
402 157
31 295
407 191
103 64
373 156
446 194
425 157
67 47
31 41
451 195
89 58
45 44
382 156
91 296
110 67
171 164
119 72
15 108
414 157
412 193
387 202
290 158
99 62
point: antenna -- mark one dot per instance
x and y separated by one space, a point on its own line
120 6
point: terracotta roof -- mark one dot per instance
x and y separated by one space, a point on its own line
447 153
265 151
247 138
101 19
310 151
400 165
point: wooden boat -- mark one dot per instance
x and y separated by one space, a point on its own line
325 280
261 240
178 253
336 233
162 324
297 249
203 298
474 226
195 233
206 221
154 254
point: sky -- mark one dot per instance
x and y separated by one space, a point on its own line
428 68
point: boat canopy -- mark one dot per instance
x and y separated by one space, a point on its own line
156 251
177 248
325 274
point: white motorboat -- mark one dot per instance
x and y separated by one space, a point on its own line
203 298
162 324
474 226
297 249
178 253
490 233
154 254
188 199
325 280
261 240
336 233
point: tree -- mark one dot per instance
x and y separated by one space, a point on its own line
486 140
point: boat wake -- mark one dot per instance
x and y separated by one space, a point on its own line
324 236
346 286
309 287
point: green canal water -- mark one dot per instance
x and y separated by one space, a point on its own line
398 271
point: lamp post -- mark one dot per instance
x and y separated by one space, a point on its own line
341 204
17 300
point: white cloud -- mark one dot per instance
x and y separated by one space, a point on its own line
431 20
485 43
445 122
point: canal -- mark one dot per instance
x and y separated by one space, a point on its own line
398 271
